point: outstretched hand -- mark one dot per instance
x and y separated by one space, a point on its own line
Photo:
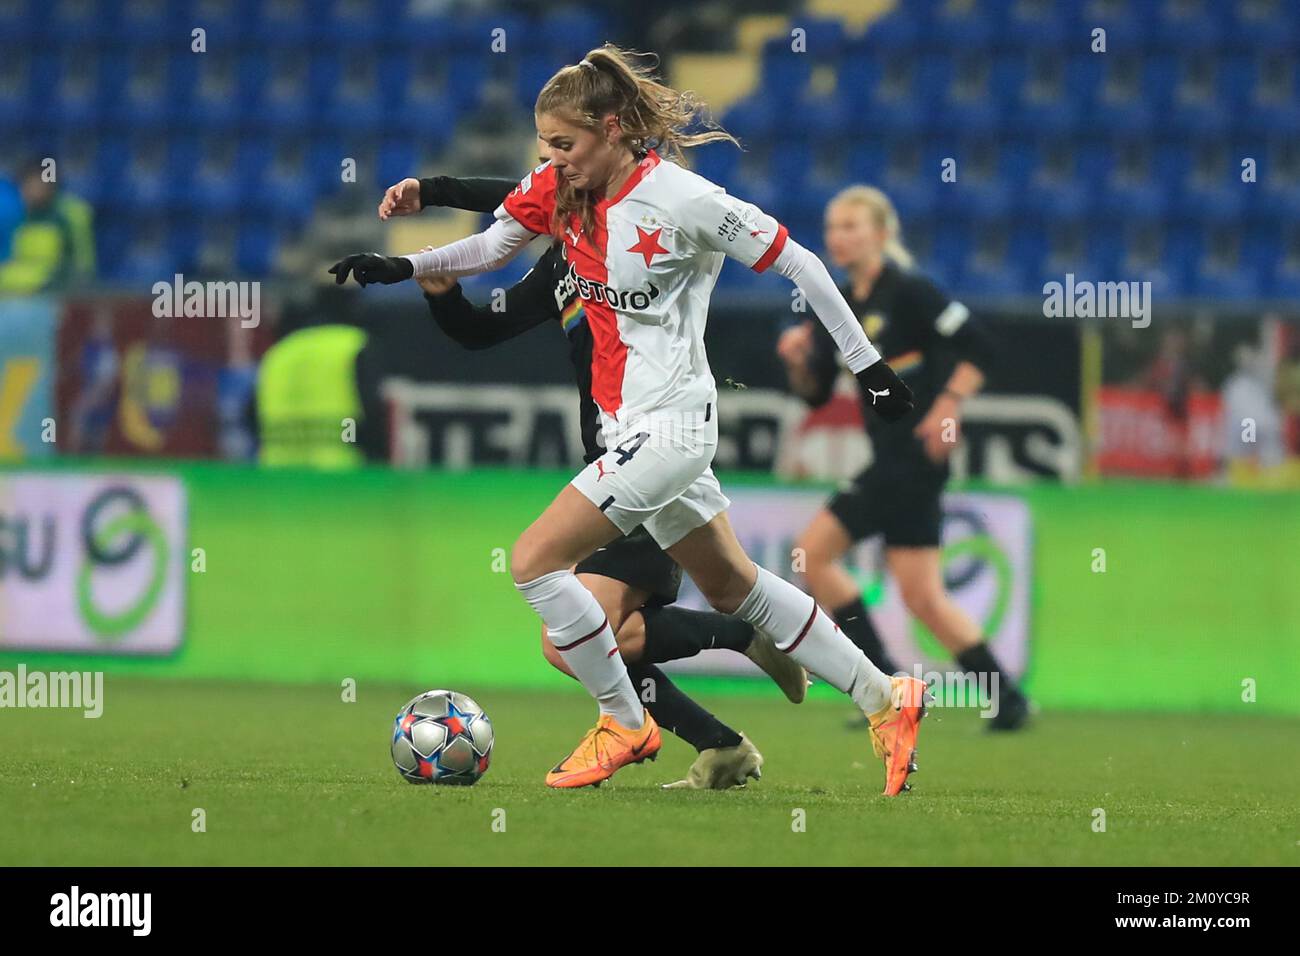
368 267
402 199
887 394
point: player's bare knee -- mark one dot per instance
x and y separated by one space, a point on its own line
527 561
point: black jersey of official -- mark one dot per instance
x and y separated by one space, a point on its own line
912 324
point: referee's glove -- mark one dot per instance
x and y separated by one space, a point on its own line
886 393
368 267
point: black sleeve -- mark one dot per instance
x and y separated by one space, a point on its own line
528 303
973 343
950 324
476 195
823 364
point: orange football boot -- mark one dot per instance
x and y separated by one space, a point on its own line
606 747
894 729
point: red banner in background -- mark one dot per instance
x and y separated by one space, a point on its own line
1143 434
130 383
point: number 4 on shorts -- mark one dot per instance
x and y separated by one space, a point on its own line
629 446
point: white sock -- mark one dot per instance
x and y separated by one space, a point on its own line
799 627
578 628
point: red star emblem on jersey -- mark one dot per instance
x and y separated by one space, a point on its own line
648 244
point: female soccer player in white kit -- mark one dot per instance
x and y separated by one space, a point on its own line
645 239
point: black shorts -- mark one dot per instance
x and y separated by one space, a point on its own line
638 562
902 503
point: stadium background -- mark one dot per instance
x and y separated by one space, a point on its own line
255 149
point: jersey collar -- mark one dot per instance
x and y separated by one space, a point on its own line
643 168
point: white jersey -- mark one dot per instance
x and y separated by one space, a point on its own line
644 278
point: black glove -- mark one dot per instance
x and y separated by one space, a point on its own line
370 267
885 391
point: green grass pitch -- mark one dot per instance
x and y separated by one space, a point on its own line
293 775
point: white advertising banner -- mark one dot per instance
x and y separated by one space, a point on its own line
987 563
92 563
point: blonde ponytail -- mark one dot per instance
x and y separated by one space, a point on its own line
651 114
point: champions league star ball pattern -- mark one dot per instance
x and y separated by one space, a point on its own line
442 737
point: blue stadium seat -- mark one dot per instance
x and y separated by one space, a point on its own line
825 39
791 163
979 196
1128 23
825 118
989 277
810 204
67 88
465 76
933 78
397 159
1138 197
226 23
912 191
1040 25
348 94
959 27
752 120
214 182
716 162
1237 282
184 238
1275 195
321 166
255 247
1281 278
785 74
19 24
147 25
1213 192
1236 80
1270 118
146 99
1182 253
145 257
357 24
856 78
564 35
281 95
1047 197
70 22
284 25
429 119
16 104
867 159
1160 78
532 70
899 33
1188 26
1254 27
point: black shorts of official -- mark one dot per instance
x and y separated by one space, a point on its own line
638 562
902 502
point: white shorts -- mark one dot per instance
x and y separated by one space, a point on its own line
656 473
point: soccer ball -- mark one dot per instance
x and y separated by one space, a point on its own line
442 736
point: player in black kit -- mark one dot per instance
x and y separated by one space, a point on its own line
632 578
940 351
